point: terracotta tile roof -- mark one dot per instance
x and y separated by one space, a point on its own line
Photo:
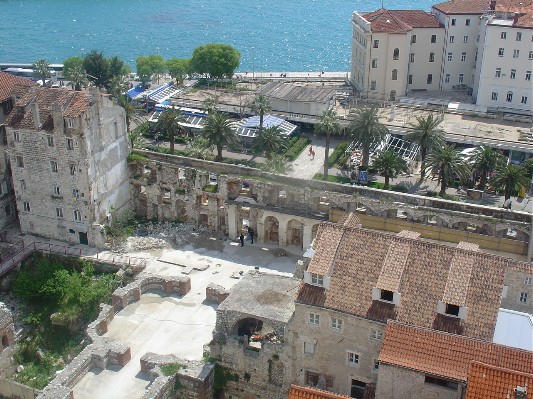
356 258
297 392
459 275
489 382
13 85
73 104
351 220
525 21
391 273
518 6
446 355
463 6
400 21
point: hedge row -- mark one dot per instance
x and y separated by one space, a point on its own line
337 153
295 150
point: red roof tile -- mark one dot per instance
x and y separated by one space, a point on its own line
400 21
297 392
489 382
11 85
463 6
446 355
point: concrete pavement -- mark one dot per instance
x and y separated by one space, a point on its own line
306 166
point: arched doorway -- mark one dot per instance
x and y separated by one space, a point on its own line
295 233
272 229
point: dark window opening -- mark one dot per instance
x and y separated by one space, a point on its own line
452 310
387 295
440 382
358 389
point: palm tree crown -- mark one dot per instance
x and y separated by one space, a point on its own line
41 69
218 132
270 141
510 178
449 163
366 130
486 160
261 106
389 165
328 125
168 123
427 134
77 77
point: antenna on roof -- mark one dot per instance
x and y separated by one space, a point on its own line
382 4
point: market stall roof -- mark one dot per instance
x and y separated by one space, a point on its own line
249 127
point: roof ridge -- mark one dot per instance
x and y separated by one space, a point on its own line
491 366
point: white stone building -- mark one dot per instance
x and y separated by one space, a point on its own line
68 153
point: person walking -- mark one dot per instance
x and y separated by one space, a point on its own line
311 150
251 233
242 239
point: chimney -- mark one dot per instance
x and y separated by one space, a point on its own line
515 18
57 117
492 5
35 114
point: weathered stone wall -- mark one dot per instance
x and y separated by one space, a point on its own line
215 293
519 295
12 389
7 328
399 383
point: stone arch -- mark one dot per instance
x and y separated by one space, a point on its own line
247 326
295 233
271 229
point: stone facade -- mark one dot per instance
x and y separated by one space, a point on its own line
518 290
215 293
7 328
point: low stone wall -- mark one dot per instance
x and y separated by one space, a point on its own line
216 293
12 389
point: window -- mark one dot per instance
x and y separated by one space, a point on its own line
352 358
453 21
77 216
431 57
410 79
396 54
450 56
70 122
523 297
447 78
503 35
16 137
413 38
394 74
530 55
412 57
70 144
376 43
452 310
53 166
441 382
463 56
513 74
20 161
494 96
465 39
26 206
528 75
509 97
527 281
59 213
373 85
336 324
429 80
518 36
376 334
452 39
309 348
433 38
387 295
375 366
56 190
498 73
75 193
314 319
50 141
516 53
467 22
317 279
72 169
461 77
501 51
22 185
375 63
523 100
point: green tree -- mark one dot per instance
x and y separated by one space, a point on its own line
427 134
261 106
277 164
210 104
168 124
178 69
132 115
218 132
117 85
328 125
510 178
71 64
366 130
199 147
150 67
215 60
77 76
270 141
485 160
41 69
448 162
389 165
117 67
97 68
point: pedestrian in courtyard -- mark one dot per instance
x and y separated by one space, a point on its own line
251 233
242 240
311 150
312 154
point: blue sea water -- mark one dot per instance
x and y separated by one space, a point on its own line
271 35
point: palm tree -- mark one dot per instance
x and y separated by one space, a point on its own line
77 77
261 106
277 164
389 165
366 130
509 178
218 132
427 134
270 141
168 123
449 163
328 125
41 68
485 160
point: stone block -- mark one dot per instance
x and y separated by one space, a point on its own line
216 293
